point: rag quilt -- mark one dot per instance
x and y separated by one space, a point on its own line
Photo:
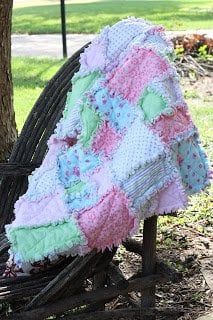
124 150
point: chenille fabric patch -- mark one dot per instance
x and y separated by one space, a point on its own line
140 67
152 104
172 126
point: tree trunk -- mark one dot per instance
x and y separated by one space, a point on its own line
8 132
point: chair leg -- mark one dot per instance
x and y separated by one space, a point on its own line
99 280
149 261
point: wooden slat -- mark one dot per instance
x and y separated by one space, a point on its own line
116 276
71 278
103 294
31 145
124 314
128 314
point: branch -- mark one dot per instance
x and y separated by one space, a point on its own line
87 298
72 277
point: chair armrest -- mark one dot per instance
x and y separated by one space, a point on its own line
15 169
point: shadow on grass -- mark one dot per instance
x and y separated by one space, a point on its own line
91 17
33 73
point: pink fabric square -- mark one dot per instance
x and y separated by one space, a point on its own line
168 127
54 145
109 222
49 209
170 199
106 139
102 179
139 68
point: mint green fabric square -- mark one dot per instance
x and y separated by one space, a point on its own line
79 87
90 120
152 104
76 188
35 243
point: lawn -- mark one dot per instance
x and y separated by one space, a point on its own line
29 77
85 16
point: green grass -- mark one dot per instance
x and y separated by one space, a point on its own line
85 16
29 78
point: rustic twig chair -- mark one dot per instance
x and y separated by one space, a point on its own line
63 288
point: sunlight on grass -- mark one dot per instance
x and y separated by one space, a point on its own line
32 3
29 78
91 16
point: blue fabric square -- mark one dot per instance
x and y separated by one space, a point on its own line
114 109
74 162
192 163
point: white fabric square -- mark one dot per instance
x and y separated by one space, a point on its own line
138 146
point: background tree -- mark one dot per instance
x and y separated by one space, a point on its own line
8 132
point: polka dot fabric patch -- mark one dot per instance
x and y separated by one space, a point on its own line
74 162
115 110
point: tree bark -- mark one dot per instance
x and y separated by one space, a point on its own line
8 132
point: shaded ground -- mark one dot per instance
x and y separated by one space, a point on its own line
189 251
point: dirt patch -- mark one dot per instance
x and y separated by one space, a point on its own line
186 249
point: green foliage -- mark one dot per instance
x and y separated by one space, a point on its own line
203 53
191 94
179 51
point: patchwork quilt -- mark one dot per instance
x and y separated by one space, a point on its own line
125 149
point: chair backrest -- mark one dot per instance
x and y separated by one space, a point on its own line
31 145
